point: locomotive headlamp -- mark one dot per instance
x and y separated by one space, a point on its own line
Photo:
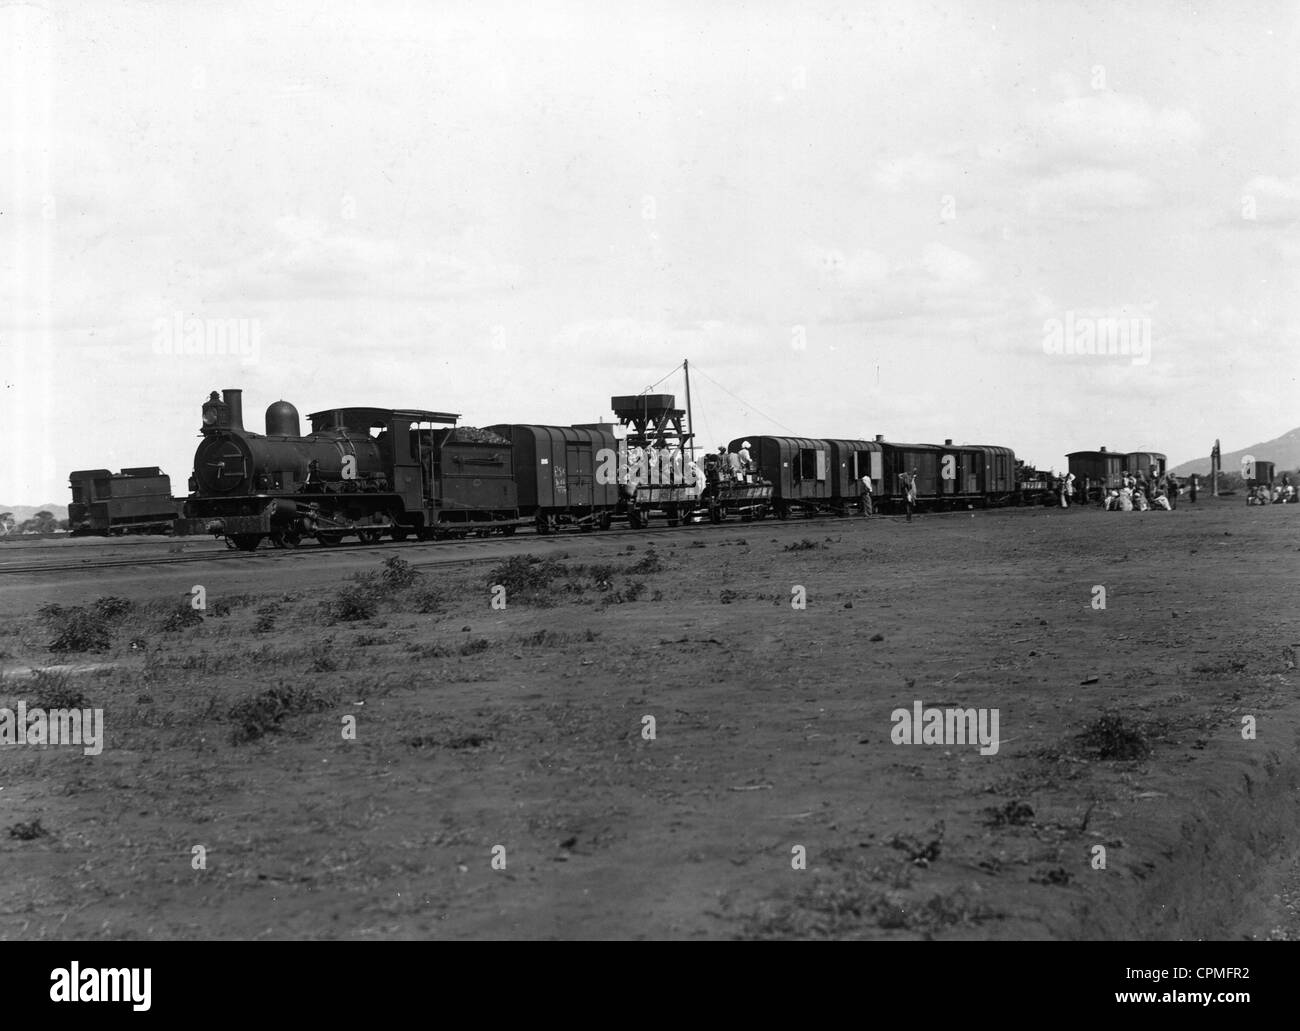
216 413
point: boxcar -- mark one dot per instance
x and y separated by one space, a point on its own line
903 458
1140 463
999 481
850 461
136 500
1096 472
1262 475
799 470
555 472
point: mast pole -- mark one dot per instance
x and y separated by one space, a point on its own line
690 423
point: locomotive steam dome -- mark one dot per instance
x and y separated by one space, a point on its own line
282 420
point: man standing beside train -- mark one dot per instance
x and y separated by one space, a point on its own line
907 481
864 493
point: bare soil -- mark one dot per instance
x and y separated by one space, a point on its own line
525 728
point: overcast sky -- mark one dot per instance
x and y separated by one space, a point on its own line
858 218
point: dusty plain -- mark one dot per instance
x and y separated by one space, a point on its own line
502 781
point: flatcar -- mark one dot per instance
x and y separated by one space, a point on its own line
135 500
661 480
727 493
1035 486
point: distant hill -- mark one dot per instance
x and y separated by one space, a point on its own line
1284 452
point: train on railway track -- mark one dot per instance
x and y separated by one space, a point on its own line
369 473
136 500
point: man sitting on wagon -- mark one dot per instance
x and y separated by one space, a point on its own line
746 462
734 466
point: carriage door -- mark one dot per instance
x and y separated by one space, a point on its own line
974 472
869 464
581 475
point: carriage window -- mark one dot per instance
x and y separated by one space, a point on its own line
808 465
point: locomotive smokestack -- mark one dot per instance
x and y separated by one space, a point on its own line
235 402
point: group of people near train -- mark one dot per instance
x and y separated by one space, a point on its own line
735 466
1136 493
1139 493
1264 494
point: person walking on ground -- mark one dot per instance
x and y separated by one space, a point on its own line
1195 483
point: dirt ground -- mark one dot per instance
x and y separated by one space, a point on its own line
502 781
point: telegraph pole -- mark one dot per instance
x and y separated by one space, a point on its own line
690 422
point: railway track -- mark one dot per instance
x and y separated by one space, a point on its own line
263 555
387 547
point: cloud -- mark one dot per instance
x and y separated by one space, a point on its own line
867 286
915 170
314 258
1085 194
1109 129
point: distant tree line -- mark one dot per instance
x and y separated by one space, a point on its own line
41 522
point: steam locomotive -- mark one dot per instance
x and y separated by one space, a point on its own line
358 471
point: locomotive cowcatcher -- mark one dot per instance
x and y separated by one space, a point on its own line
365 472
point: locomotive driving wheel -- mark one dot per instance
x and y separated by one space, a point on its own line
286 538
328 540
369 536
